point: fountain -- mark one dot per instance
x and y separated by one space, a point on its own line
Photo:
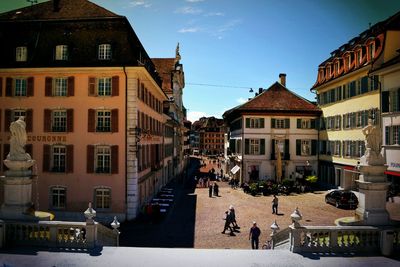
18 179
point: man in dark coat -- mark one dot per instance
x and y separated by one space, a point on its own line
228 221
254 235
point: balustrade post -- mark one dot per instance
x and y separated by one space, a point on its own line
294 237
53 231
333 240
91 235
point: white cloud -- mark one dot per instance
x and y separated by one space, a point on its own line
230 25
140 3
196 115
215 14
187 30
188 10
241 100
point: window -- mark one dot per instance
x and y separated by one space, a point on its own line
305 147
103 159
21 53
59 121
60 87
105 52
59 158
103 121
280 123
305 124
16 113
104 87
58 197
254 123
20 87
391 100
61 52
371 50
392 135
336 151
103 198
254 146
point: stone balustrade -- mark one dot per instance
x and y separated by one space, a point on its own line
335 239
57 234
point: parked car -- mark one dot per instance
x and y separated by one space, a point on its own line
342 198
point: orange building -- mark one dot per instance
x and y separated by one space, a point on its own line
93 105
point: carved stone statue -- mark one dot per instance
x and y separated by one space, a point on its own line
18 140
373 153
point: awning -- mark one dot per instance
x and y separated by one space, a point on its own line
235 169
392 173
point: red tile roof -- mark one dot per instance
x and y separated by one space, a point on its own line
276 99
67 9
164 67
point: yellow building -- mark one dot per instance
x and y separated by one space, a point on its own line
348 95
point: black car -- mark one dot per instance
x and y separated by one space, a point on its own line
342 198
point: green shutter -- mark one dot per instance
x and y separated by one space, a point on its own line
313 125
286 148
247 122
313 147
262 146
246 146
385 101
298 123
273 123
298 147
262 123
272 149
287 123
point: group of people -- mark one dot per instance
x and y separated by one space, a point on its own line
213 189
230 222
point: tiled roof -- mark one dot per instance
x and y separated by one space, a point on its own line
275 99
164 67
67 9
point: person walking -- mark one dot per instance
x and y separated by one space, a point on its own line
233 217
228 220
210 189
254 235
216 189
275 205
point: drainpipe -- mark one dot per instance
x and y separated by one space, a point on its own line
126 143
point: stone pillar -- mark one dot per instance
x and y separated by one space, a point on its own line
372 198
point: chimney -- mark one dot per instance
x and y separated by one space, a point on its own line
282 77
260 90
56 5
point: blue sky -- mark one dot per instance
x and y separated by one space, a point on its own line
228 47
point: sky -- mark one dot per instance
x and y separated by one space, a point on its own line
228 47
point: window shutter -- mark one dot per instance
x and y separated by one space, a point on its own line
313 147
313 124
114 120
298 123
7 120
70 159
1 86
71 86
46 158
298 147
272 149
364 84
114 159
287 148
273 123
247 122
90 159
115 86
262 146
385 101
287 123
92 86
246 146
9 86
29 88
29 120
262 123
91 120
47 121
70 120
387 135
48 86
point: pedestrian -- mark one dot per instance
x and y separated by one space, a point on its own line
228 224
216 189
210 190
275 205
233 217
254 235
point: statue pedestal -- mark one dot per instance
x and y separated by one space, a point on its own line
17 190
372 196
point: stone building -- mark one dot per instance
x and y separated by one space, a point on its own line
210 131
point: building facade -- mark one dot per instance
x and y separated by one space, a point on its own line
348 95
210 132
273 136
93 104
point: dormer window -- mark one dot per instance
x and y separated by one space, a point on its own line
105 52
371 50
21 54
360 56
61 52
